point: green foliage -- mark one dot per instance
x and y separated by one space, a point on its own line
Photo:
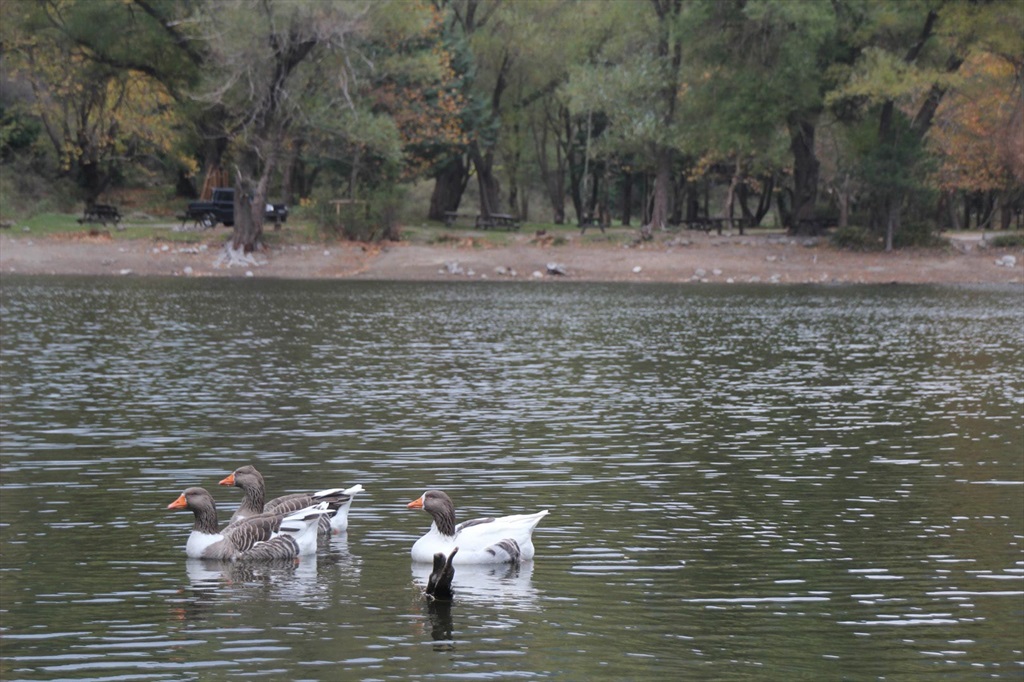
856 239
19 132
892 167
356 97
26 191
918 233
1008 241
373 219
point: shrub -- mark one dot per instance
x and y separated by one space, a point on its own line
917 234
373 219
25 192
1008 241
856 239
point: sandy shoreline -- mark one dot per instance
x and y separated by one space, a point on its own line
697 258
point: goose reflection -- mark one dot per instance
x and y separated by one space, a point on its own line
282 580
505 586
439 614
438 596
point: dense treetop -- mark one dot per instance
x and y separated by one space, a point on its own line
899 116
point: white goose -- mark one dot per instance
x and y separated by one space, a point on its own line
265 537
251 482
503 540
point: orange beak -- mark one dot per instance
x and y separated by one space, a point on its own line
179 503
229 479
416 504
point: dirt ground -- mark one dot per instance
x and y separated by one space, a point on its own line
685 257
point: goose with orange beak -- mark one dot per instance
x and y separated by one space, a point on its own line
255 490
501 540
266 537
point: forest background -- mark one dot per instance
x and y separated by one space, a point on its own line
884 121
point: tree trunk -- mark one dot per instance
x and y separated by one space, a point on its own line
844 201
91 179
730 195
250 209
892 221
692 194
486 180
627 198
764 201
1005 210
662 190
573 166
512 163
553 178
449 185
949 199
805 172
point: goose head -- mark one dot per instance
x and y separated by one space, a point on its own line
244 477
201 504
439 506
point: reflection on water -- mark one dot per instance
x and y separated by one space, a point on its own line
501 586
290 581
815 483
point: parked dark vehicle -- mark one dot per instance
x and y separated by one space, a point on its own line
221 209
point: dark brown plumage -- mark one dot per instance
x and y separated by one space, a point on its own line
260 538
251 482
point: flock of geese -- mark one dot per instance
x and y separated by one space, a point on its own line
288 527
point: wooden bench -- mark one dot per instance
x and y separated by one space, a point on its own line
450 217
100 213
713 223
200 220
589 220
505 220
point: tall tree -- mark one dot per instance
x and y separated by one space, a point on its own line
636 78
104 76
494 54
978 133
758 91
912 58
668 63
266 59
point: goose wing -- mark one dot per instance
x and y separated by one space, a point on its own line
481 532
246 533
287 504
292 535
279 547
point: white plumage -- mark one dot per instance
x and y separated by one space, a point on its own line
506 539
265 537
252 484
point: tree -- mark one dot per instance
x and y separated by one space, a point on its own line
979 130
266 60
911 59
756 95
510 56
102 104
630 81
415 84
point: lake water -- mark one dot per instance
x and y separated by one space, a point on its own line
744 483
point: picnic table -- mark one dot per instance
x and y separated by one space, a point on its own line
589 220
497 220
450 217
483 221
708 223
100 213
